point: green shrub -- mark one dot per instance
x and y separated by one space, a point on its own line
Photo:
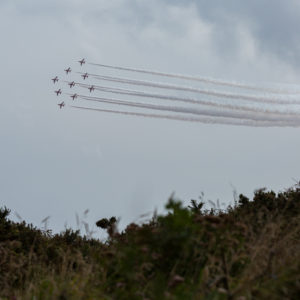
250 251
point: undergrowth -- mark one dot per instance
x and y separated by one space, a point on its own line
250 251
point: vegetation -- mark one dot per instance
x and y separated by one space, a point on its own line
250 251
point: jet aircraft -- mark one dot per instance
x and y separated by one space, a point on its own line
74 96
85 75
55 79
82 61
61 105
57 92
71 84
68 70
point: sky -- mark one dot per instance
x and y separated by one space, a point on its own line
61 162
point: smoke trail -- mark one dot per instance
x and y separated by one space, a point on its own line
254 98
202 112
198 120
200 79
182 99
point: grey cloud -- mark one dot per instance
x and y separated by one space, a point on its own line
274 24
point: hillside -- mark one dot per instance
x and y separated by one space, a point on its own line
250 251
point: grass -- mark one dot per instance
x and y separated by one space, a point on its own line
250 251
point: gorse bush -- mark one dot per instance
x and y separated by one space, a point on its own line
250 251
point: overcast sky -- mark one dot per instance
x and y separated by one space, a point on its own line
58 162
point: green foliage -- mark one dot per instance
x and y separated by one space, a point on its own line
250 251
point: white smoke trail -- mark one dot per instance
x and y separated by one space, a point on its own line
198 120
202 112
182 99
200 79
254 98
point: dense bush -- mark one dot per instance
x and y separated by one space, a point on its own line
250 251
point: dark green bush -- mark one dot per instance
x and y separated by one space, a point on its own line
250 251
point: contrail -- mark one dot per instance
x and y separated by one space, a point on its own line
201 112
254 98
198 120
182 99
200 79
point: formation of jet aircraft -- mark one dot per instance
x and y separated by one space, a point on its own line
71 84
